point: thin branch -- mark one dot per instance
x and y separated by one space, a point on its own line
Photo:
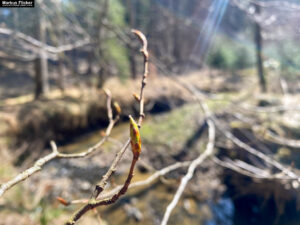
235 168
270 109
150 179
208 152
27 173
145 53
146 182
234 139
280 4
38 165
48 48
93 203
258 154
100 187
283 141
239 168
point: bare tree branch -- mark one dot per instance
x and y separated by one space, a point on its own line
243 168
48 48
146 182
195 163
237 141
283 141
208 152
56 154
93 202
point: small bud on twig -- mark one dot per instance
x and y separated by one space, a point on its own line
102 133
117 108
135 138
136 97
62 201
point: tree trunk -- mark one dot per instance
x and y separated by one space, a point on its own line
99 50
41 62
61 71
132 23
59 39
259 60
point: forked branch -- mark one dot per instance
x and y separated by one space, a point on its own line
55 154
135 145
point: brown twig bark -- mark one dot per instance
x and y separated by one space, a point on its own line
141 183
93 203
100 187
145 53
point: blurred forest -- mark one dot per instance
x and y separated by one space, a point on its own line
221 133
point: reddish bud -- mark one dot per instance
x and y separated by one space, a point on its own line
62 201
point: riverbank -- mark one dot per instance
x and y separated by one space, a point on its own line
176 133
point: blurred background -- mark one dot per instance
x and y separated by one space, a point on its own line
241 56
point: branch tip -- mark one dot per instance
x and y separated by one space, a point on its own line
53 146
107 92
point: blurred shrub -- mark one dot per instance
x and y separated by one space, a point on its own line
221 58
118 57
230 55
289 56
116 51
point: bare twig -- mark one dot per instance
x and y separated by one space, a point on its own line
100 187
93 203
230 136
145 53
237 141
244 170
270 109
48 48
56 154
191 169
146 182
195 163
27 173
283 141
258 154
235 168
150 179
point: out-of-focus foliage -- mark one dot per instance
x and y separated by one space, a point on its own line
229 55
289 56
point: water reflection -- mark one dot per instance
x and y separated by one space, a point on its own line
223 212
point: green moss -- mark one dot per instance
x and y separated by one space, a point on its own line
240 124
171 128
222 100
178 125
283 154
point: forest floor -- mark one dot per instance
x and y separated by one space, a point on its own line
170 133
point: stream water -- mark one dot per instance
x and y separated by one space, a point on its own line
148 204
